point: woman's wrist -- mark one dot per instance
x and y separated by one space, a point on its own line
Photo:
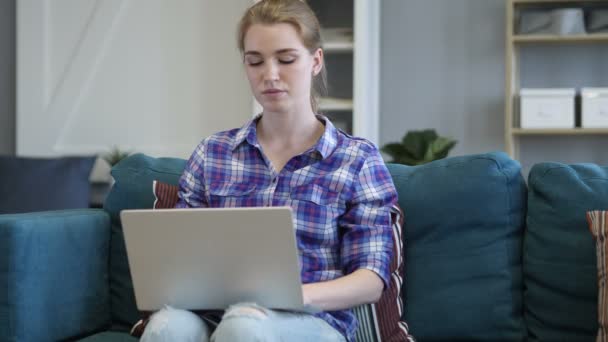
306 294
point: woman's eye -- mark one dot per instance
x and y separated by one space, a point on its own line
287 61
254 63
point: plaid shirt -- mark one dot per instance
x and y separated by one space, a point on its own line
340 191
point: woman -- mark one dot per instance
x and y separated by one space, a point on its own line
337 185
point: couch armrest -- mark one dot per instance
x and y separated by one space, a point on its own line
54 274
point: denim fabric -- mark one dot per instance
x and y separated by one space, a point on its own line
242 322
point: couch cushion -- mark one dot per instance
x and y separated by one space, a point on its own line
464 221
109 336
41 184
132 190
54 274
559 253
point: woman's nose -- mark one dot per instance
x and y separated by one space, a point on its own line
271 72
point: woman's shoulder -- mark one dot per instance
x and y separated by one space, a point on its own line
219 141
357 144
219 138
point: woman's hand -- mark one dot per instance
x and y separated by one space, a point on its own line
360 287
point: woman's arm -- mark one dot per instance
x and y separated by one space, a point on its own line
366 244
191 193
360 287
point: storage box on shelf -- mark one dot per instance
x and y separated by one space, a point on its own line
547 108
594 107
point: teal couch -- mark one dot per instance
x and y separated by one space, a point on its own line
488 256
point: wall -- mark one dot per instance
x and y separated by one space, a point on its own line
7 77
151 76
443 68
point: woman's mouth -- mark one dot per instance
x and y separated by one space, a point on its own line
272 91
273 94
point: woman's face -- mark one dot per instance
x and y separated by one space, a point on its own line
279 67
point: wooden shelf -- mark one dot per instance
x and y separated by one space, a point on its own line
337 46
547 38
337 40
560 131
335 104
542 2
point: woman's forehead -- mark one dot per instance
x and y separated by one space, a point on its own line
272 38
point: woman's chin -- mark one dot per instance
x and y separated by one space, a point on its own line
274 107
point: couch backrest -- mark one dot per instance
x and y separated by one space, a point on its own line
464 219
464 222
132 190
44 184
560 273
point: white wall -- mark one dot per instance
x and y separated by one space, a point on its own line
152 76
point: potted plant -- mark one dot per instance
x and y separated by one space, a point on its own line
115 155
419 147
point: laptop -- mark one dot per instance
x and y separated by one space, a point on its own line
211 258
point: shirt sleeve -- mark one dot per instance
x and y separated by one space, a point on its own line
191 193
367 241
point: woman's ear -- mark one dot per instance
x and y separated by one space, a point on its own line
318 61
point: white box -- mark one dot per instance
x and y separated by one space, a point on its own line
547 108
594 103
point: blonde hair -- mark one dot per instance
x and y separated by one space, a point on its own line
298 14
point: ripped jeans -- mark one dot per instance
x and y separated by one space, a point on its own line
241 322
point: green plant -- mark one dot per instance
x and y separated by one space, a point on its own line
115 155
419 147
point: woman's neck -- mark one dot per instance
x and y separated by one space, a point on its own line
289 129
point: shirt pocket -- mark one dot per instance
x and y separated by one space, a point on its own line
314 193
316 210
232 195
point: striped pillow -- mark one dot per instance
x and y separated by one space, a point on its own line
381 321
377 322
165 195
598 224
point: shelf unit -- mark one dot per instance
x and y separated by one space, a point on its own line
544 38
335 104
566 131
338 40
351 37
514 43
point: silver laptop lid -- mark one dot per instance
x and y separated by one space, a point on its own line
212 258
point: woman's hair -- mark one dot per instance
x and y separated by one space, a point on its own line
302 18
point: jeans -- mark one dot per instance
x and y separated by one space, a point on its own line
241 322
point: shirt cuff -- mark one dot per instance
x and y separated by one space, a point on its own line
378 264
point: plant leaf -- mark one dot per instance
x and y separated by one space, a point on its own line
416 142
441 147
395 150
419 147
